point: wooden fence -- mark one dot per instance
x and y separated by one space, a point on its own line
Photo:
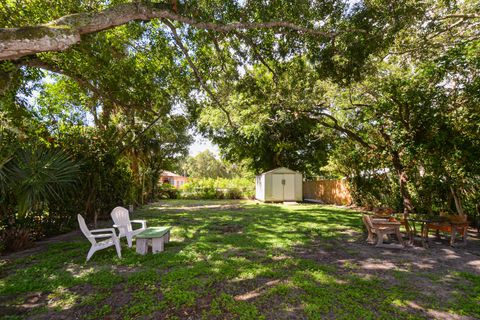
328 191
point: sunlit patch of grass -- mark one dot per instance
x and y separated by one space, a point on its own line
178 297
61 299
351 265
94 298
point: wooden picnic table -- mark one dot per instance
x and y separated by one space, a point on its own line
157 236
427 221
423 220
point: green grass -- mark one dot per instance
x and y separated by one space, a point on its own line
249 261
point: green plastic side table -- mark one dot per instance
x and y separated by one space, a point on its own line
157 236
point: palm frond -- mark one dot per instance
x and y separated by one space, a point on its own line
41 175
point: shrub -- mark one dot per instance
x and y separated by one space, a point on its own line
376 191
234 193
221 188
14 239
167 191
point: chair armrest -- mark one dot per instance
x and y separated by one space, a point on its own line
104 235
387 223
103 230
143 222
111 233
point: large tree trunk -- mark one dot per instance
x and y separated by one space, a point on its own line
403 181
458 200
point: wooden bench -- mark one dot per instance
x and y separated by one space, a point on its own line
157 236
380 228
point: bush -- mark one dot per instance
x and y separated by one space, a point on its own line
234 193
43 188
377 191
15 239
167 191
236 188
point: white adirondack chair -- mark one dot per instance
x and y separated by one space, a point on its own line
121 218
92 235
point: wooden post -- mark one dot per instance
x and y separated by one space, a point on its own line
157 244
142 246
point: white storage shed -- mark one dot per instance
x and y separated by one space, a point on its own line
278 185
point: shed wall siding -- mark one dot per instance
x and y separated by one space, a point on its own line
298 187
268 187
259 188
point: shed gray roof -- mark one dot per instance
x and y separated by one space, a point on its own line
281 170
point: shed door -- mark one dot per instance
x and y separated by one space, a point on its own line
283 187
277 187
289 189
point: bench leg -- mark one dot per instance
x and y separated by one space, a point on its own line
425 238
371 236
399 236
409 234
379 239
157 244
142 246
452 237
464 235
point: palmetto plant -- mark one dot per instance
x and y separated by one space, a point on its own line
3 176
38 176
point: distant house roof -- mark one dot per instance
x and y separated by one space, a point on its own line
170 174
281 170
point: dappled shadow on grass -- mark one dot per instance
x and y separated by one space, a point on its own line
425 282
57 274
305 261
268 232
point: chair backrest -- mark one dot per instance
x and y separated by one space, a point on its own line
121 217
86 232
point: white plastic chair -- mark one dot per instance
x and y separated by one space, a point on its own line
92 235
121 218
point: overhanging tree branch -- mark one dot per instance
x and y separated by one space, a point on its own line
336 126
459 15
63 33
129 145
85 84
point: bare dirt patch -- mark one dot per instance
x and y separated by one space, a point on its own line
20 306
425 271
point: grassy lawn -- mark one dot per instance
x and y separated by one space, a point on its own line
242 260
